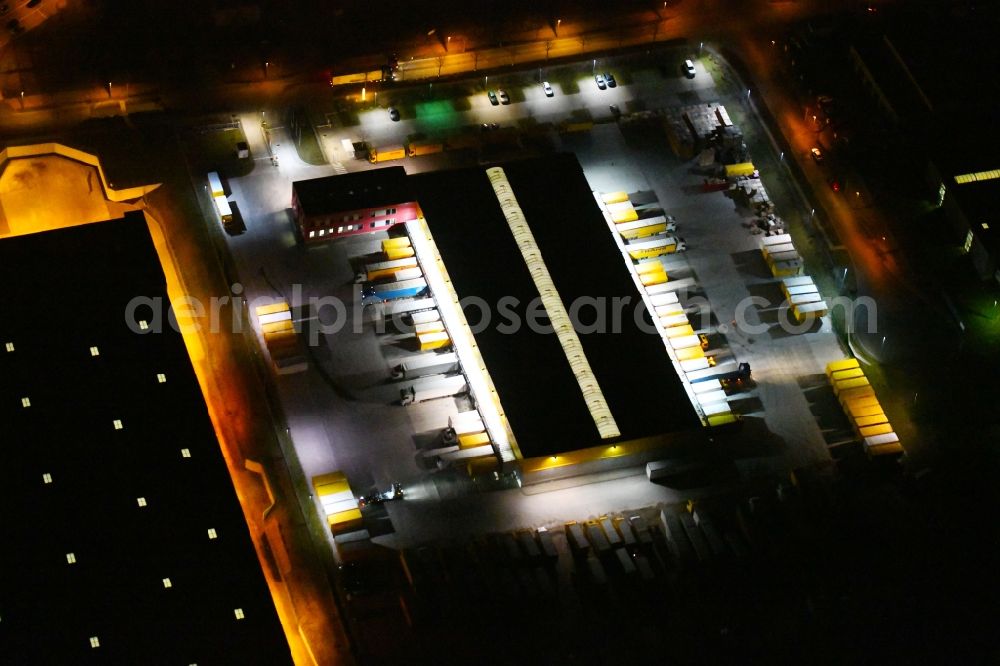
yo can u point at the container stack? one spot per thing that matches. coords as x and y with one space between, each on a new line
781 256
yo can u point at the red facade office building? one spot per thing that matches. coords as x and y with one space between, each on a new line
354 203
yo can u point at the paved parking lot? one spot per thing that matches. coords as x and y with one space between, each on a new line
339 411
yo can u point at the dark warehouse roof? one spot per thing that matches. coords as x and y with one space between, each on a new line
536 386
121 524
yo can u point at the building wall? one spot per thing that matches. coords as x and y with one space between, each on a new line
316 228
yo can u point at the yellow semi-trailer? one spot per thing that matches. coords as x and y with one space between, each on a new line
657 247
471 440
338 502
809 311
435 340
854 393
614 197
849 373
846 384
689 353
651 279
418 148
843 364
398 241
394 253
379 155
649 267
741 169
681 331
873 420
871 431
624 215
358 77
384 269
642 228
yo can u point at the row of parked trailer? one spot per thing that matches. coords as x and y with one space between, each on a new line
645 237
862 407
620 540
801 292
396 284
685 347
280 339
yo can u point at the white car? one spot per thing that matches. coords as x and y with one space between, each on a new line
689 69
504 97
548 89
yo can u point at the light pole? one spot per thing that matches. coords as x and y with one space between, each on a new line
447 43
595 67
486 82
22 100
266 65
558 23
109 89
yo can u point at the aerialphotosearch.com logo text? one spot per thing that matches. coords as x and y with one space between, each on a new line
319 316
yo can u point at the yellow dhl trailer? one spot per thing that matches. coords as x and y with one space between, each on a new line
845 384
741 169
873 420
870 431
434 340
679 331
651 249
854 393
473 439
378 155
653 278
614 197
642 228
394 253
398 241
689 353
843 364
274 308
809 311
417 148
849 373
673 320
648 267
358 77
338 501
622 212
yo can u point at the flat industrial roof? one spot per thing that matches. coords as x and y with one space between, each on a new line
121 524
532 375
353 191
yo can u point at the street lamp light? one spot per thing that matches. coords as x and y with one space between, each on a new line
447 43
558 23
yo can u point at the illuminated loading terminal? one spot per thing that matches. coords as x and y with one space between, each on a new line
530 231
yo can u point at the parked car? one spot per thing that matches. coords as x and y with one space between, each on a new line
504 97
817 155
15 27
493 98
688 69
393 114
609 78
33 3
600 81
548 89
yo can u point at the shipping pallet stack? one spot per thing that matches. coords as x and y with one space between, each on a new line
860 404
